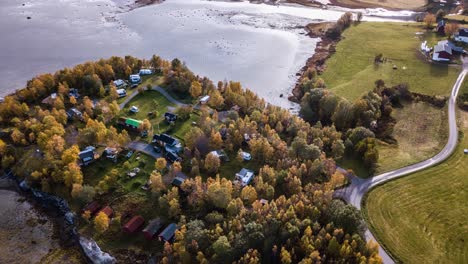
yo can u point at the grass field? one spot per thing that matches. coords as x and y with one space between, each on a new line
393 4
421 132
457 18
351 71
96 171
422 218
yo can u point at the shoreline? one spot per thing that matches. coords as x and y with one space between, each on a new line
323 51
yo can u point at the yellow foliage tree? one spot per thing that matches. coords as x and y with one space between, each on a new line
195 89
101 222
160 164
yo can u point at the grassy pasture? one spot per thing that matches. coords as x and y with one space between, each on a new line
421 132
422 218
351 71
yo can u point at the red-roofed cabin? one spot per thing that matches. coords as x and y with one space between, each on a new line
108 211
134 224
92 207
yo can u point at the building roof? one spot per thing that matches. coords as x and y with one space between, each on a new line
92 207
133 122
168 233
172 156
86 155
152 228
178 181
170 116
463 32
108 211
245 176
205 98
119 82
134 223
165 138
443 47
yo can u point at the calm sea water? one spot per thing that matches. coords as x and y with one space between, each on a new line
258 45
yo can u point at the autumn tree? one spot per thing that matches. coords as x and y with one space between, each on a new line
216 99
86 215
195 89
429 20
216 142
451 29
160 164
146 125
285 256
212 163
219 192
101 222
157 185
248 194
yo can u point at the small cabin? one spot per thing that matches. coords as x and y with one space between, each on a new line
245 176
134 224
167 235
108 211
92 207
87 156
152 228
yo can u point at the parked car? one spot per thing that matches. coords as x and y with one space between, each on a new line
129 154
246 156
134 109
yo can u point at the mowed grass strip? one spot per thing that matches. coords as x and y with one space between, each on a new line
423 218
421 132
351 71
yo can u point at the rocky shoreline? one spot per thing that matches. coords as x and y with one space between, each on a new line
64 220
324 49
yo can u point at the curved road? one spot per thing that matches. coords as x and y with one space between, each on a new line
354 192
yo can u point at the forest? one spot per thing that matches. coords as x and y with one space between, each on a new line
286 215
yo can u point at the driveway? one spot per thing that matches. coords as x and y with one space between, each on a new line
145 148
354 192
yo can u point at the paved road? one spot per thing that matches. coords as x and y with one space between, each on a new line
354 193
155 88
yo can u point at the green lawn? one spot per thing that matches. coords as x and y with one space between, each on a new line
351 71
421 132
229 169
96 171
457 18
148 101
422 218
350 162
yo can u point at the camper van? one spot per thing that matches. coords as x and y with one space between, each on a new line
121 93
146 72
135 79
